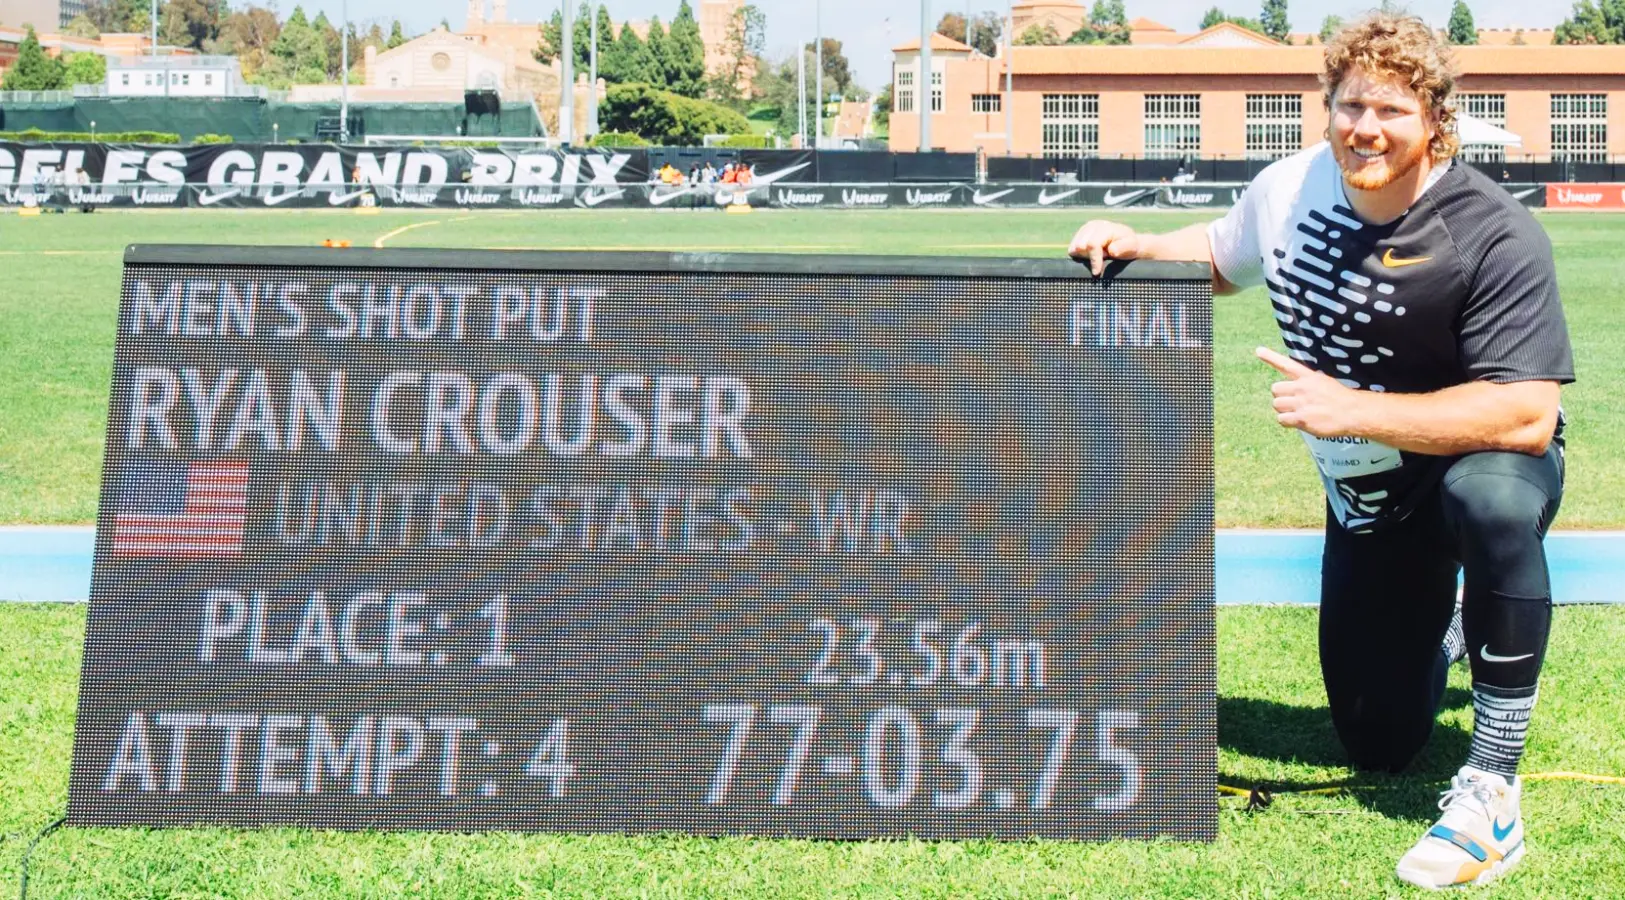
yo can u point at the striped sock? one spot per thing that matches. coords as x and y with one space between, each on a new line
1455 640
1500 723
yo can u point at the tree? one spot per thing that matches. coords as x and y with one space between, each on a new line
1108 24
952 27
550 45
659 53
82 27
1586 26
116 15
1039 36
606 37
332 42
300 51
1215 16
172 28
628 60
33 70
664 117
742 49
85 68
1330 26
1273 17
685 60
1461 28
883 105
397 37
986 32
837 69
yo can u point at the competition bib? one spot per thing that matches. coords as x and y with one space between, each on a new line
1351 457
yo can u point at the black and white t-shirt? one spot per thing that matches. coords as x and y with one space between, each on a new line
1460 288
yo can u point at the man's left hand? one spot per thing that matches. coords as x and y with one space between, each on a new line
1311 401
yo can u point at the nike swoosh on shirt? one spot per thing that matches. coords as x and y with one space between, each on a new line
1392 263
1485 654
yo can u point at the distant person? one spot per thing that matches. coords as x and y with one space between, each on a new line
1505 175
709 175
1419 304
81 180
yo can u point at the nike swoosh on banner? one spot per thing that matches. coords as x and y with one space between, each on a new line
1485 654
337 199
279 199
212 199
595 199
1519 195
981 199
1115 199
775 176
1044 198
662 199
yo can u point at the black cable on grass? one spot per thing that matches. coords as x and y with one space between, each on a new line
22 893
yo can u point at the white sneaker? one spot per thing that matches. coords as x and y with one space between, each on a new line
1479 837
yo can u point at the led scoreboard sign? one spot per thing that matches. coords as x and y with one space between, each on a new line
724 544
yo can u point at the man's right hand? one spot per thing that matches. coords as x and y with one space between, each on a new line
1099 240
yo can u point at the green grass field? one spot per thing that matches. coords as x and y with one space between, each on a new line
59 278
1273 727
59 300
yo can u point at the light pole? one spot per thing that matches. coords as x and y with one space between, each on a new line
567 78
344 65
818 75
92 130
154 24
592 77
276 132
801 97
1009 81
925 76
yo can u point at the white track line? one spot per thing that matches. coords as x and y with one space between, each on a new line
379 244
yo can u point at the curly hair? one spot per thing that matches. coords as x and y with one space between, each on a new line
1404 48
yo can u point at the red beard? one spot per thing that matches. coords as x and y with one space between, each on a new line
1368 177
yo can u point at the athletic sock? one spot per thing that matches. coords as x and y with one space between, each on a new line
1455 640
1500 724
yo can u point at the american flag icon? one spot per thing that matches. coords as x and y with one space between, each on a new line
181 510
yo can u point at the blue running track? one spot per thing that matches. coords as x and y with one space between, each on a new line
53 565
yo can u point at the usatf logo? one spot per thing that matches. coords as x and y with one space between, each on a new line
863 198
476 197
792 197
929 198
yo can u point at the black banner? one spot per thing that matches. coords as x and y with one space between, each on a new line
821 546
1199 195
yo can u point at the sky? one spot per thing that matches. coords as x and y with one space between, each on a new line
870 28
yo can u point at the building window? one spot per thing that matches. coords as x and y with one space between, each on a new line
1274 125
1580 127
905 91
1173 125
124 79
186 79
208 79
936 92
1491 108
986 103
1071 124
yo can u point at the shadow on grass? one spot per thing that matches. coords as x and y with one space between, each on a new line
1303 735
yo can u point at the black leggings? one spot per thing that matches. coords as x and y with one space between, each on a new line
1387 599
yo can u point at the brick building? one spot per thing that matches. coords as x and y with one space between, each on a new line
1227 92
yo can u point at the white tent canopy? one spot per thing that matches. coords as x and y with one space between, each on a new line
1478 131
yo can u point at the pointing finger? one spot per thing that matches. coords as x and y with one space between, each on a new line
1287 366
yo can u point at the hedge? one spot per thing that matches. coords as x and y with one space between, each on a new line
747 142
617 139
665 118
36 136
